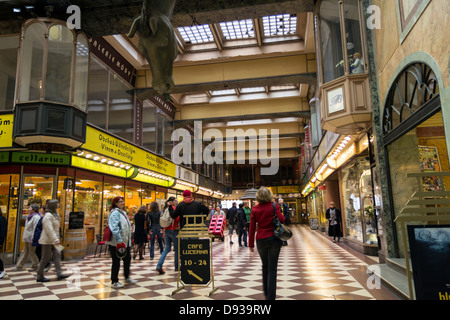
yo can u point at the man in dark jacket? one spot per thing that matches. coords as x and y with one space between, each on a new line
189 207
232 220
242 225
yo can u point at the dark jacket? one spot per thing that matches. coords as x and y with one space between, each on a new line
231 214
285 210
338 225
242 221
185 209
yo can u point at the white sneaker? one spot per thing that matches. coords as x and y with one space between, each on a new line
117 285
129 280
2 274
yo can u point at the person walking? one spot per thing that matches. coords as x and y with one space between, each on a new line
171 233
50 242
242 225
232 221
189 207
140 232
285 211
333 215
3 230
268 245
155 228
120 243
28 233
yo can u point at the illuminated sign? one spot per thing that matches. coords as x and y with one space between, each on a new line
6 130
40 158
104 144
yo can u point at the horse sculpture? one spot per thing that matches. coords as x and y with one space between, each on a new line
157 42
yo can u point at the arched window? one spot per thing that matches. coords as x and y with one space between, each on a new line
414 87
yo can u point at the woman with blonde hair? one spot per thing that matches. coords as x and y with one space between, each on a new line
268 245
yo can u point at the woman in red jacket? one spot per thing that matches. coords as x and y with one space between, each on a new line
268 245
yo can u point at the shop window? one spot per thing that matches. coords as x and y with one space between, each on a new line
9 203
132 200
422 149
121 108
168 144
110 191
98 93
160 135
8 65
87 199
358 207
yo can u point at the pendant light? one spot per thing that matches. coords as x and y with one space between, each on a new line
250 194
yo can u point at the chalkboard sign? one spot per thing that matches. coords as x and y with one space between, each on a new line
76 220
195 261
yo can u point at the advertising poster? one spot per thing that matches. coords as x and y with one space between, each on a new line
429 162
430 258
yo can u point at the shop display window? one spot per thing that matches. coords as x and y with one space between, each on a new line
110 191
133 200
9 203
87 199
358 207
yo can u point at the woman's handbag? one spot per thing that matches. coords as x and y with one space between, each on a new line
281 231
107 234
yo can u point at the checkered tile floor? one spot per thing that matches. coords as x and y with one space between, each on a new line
311 267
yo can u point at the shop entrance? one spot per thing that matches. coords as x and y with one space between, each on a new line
34 189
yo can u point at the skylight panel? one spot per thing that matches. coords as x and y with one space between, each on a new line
226 92
196 34
280 25
252 90
239 29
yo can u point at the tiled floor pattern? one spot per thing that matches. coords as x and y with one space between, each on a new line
311 267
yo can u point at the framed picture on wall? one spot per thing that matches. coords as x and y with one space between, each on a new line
429 162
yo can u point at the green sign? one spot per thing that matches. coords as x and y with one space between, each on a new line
40 158
195 261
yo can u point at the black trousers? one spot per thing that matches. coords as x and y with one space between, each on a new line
116 264
269 251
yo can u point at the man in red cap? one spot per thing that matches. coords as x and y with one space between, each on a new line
189 207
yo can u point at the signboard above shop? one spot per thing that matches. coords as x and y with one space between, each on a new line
110 146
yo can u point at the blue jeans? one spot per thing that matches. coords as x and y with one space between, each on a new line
242 232
171 236
269 251
156 231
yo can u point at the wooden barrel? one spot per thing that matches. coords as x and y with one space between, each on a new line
75 244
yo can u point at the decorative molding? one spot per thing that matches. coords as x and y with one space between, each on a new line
408 13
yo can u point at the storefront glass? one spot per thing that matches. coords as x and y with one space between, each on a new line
121 108
9 201
358 201
87 199
132 200
110 191
422 149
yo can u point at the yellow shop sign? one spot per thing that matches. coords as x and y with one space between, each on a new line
104 144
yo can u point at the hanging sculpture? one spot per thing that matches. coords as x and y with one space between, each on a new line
157 42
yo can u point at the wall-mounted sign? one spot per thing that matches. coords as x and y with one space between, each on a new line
40 158
6 130
335 100
105 144
165 106
113 59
